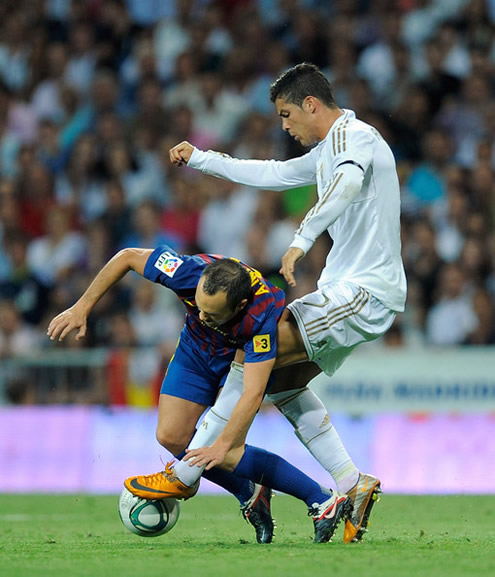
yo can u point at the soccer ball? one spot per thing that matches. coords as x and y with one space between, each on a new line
148 518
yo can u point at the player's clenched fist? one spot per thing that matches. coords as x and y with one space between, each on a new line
65 322
181 153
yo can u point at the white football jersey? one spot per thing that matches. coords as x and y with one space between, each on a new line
365 227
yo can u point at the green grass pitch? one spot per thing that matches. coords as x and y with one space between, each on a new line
73 536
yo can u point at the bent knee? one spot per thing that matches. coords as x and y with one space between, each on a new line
174 441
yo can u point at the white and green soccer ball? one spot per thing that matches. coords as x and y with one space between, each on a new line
148 518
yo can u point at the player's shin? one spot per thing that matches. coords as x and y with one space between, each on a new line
309 417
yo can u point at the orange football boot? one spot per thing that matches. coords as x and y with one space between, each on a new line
160 485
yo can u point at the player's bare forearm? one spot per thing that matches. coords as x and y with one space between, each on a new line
181 153
255 380
76 316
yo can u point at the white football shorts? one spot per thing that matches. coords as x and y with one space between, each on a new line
335 319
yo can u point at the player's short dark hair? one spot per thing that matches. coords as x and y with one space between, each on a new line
229 276
300 81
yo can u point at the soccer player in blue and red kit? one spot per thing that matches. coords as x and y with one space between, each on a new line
229 306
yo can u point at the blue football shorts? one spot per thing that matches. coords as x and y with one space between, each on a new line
194 375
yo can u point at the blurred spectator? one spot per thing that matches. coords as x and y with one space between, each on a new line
217 110
136 175
36 193
78 187
484 309
448 216
81 62
54 256
152 324
426 182
377 62
21 285
150 112
17 338
117 215
452 318
182 217
272 233
121 332
227 201
146 230
463 118
420 23
475 261
46 100
50 153
99 250
422 261
436 83
114 33
172 35
14 51
184 81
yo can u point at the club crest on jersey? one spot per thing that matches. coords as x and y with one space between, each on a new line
168 263
261 344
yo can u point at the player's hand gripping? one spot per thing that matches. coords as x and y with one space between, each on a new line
181 153
288 261
65 322
207 457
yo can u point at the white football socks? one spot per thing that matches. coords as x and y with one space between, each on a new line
213 423
309 417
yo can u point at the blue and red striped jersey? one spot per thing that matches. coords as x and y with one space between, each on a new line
253 329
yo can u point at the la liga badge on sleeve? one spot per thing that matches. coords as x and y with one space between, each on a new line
168 263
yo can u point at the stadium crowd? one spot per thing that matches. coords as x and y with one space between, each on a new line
94 93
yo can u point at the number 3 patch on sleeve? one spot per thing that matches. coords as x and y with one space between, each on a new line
261 343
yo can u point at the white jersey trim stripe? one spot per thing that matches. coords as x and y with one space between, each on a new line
352 308
339 138
326 325
317 207
339 309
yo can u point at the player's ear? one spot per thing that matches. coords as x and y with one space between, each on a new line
309 104
241 305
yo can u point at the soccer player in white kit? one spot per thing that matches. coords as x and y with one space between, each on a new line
363 284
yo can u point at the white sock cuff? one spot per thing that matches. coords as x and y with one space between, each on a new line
279 399
209 430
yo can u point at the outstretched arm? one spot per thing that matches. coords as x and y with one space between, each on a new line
263 174
76 316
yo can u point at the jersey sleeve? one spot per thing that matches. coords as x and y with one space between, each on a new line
351 146
348 162
264 174
263 345
177 272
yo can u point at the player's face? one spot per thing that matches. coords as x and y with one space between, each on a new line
213 309
298 121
